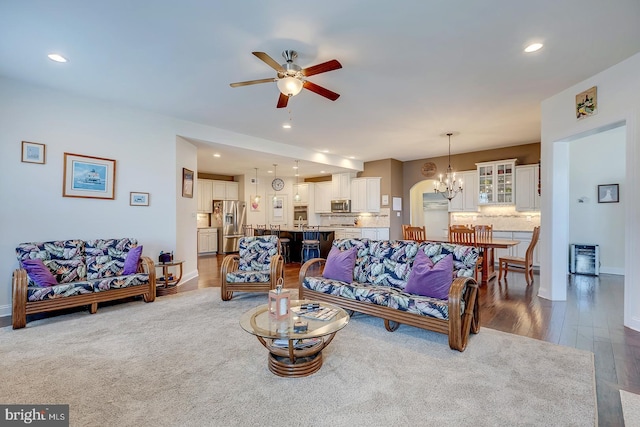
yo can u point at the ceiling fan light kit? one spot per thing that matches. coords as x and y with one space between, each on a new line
290 78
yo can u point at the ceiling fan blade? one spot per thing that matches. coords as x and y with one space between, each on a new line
321 68
320 90
269 61
282 100
252 82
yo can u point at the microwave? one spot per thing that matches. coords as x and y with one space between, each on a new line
341 206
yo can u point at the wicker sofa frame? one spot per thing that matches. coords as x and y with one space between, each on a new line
21 307
457 326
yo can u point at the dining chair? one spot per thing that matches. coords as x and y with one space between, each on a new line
466 235
247 230
310 242
284 242
462 234
417 234
483 233
524 264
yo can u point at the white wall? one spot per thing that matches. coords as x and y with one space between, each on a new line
149 158
616 103
598 159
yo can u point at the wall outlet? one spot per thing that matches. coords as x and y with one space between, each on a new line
398 213
528 218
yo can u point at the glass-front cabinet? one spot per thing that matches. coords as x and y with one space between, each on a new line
496 182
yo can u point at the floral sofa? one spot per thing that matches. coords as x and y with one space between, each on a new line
380 274
257 266
79 273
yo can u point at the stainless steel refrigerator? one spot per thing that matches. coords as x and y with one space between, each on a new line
233 218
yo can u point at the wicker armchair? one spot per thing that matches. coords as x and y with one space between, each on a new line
256 268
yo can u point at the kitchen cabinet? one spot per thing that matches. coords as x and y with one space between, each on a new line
207 240
205 196
496 182
225 190
322 197
301 190
341 186
347 233
527 196
467 200
375 233
365 194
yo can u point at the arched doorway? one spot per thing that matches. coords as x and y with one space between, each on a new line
428 209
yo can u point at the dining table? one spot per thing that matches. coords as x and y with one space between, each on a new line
488 246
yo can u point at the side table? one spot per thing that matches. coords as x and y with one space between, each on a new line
168 283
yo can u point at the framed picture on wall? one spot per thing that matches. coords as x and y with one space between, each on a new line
32 152
187 183
137 198
88 176
608 193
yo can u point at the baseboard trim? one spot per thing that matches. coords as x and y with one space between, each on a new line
612 270
189 278
5 310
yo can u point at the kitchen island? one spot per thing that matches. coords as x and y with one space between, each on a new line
295 234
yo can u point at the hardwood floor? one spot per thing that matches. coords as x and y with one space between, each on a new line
591 319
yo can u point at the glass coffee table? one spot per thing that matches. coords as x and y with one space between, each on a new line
294 354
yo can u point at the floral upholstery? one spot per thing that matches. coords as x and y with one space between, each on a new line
81 267
239 276
105 257
65 258
256 252
385 266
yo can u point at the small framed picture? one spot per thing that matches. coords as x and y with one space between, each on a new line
608 193
137 198
32 152
187 183
587 103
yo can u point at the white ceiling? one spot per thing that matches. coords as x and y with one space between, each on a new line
412 69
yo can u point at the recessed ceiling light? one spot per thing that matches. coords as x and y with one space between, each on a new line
216 155
57 57
269 171
533 47
325 151
286 126
352 157
322 172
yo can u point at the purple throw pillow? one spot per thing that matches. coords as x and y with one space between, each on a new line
131 261
39 272
340 264
428 279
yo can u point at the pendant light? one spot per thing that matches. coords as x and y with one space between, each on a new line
275 178
256 198
296 198
451 185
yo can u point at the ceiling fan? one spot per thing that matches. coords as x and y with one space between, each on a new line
291 77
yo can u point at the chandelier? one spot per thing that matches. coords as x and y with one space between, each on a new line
256 198
296 198
448 185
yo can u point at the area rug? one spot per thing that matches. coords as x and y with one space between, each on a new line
630 408
184 360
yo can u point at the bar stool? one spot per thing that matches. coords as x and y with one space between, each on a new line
247 230
261 229
310 242
284 243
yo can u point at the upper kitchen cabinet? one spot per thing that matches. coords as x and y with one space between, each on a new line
302 190
527 196
341 186
322 197
467 200
365 194
225 190
496 182
205 197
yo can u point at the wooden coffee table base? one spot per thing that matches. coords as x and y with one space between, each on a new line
302 367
